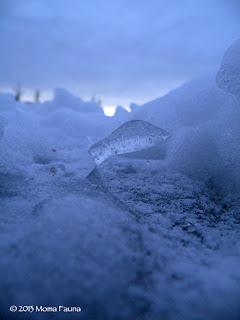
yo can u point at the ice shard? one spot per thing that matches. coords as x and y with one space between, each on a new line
132 136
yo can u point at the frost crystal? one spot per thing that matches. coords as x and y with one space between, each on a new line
132 136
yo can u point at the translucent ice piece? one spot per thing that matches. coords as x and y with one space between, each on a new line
132 136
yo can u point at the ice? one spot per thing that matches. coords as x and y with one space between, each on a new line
131 136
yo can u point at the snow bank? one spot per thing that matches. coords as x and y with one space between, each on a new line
194 152
3 123
43 140
204 122
120 113
192 104
63 98
8 103
228 77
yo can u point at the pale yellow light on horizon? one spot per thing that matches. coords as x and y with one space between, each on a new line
110 110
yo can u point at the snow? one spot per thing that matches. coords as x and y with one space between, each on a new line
203 102
133 107
3 123
204 124
120 111
228 77
63 98
148 234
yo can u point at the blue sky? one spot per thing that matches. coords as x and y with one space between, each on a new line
117 50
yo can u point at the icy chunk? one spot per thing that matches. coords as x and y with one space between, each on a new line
228 77
132 136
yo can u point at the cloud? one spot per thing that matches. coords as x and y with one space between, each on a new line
119 50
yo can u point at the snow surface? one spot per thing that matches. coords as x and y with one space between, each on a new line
204 123
152 234
228 77
120 112
194 103
64 99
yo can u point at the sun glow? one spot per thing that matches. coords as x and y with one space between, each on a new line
109 110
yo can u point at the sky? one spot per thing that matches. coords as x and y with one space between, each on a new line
120 51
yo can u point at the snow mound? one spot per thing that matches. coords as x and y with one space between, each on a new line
64 99
134 107
131 136
194 152
41 144
204 122
192 104
228 77
3 123
120 112
228 143
7 103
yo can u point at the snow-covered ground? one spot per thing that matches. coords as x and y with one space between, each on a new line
152 234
